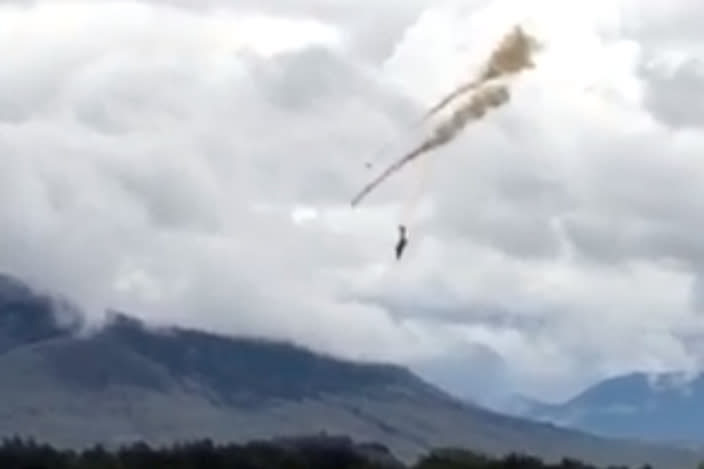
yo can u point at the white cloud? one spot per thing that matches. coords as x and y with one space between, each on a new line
194 162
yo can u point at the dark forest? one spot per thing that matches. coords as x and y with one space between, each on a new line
18 453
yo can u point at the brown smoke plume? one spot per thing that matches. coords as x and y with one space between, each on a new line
474 109
511 56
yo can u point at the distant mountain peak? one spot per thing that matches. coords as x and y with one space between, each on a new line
119 320
28 315
13 289
666 407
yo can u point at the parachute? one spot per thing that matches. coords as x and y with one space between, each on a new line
512 56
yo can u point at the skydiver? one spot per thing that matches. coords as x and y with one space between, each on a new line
402 241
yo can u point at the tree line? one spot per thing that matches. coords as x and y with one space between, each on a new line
18 453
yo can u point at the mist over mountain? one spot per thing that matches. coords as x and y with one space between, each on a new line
27 316
131 381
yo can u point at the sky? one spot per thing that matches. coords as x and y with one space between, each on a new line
192 163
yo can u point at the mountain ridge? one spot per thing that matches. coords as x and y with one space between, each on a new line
130 381
665 407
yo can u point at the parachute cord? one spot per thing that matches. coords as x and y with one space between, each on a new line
409 211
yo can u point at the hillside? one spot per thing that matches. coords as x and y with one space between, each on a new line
659 407
130 382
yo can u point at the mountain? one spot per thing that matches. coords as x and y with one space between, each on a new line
129 381
27 316
658 407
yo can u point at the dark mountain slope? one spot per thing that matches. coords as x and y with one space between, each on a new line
230 366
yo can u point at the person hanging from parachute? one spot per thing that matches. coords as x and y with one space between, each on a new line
402 241
513 55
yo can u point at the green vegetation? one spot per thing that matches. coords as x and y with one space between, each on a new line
17 453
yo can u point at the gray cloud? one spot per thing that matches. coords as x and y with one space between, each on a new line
676 97
472 372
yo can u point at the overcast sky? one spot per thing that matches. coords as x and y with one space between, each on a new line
192 162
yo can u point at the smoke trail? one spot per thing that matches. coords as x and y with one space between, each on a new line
408 213
474 109
511 56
